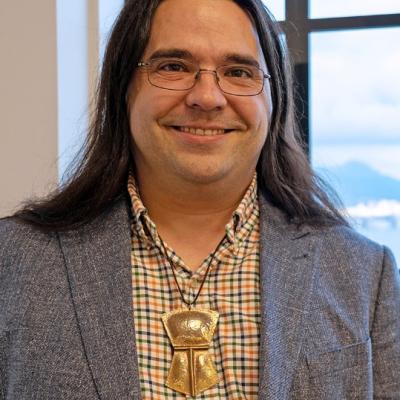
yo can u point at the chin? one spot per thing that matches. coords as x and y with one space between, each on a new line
203 176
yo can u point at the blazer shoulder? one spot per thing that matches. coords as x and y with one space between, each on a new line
30 262
17 237
24 251
346 240
341 245
341 236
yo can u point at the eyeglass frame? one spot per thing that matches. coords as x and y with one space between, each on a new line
265 75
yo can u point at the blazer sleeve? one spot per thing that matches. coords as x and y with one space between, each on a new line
385 334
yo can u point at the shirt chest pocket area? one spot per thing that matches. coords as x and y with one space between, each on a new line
342 372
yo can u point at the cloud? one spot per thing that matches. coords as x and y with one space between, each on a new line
355 84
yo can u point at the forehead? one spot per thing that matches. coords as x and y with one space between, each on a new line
208 29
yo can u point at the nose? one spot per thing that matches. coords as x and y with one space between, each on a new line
206 94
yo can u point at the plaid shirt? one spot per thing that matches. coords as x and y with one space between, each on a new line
232 289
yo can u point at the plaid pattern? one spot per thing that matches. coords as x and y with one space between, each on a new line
232 289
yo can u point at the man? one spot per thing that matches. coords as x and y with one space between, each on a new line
193 252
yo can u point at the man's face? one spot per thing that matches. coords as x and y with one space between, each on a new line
208 31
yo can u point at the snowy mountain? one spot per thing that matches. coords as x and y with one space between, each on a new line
357 183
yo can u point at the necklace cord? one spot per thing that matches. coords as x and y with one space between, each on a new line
212 257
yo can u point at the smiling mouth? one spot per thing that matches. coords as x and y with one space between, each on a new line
201 131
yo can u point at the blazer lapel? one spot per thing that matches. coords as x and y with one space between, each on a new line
286 274
97 259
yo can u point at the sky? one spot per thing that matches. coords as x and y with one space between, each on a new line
355 79
355 86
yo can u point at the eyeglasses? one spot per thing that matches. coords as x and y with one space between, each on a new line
178 74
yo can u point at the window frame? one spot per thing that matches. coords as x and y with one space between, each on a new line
297 28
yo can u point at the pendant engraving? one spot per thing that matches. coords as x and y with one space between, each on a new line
190 332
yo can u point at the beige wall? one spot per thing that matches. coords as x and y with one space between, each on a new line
28 100
28 96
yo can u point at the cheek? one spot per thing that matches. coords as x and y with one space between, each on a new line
135 124
140 116
138 122
142 104
144 115
257 115
149 107
143 145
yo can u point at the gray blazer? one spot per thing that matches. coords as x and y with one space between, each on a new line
330 312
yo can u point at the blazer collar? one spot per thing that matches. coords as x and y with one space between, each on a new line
97 258
286 280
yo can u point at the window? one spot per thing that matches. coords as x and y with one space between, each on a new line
75 20
72 78
108 12
355 125
349 86
277 8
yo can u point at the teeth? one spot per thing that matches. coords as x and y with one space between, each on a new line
202 132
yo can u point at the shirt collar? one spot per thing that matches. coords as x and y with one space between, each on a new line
242 222
141 223
237 229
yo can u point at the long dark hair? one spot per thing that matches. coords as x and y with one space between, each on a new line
100 173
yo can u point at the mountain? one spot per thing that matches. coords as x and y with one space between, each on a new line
356 183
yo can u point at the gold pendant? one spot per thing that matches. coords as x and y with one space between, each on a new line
190 332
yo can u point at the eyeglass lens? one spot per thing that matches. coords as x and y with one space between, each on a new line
236 79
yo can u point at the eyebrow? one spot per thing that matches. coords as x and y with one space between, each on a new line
187 55
171 53
241 59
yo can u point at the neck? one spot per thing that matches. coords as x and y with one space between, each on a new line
191 217
171 203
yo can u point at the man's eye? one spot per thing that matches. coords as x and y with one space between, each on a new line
171 67
239 72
